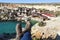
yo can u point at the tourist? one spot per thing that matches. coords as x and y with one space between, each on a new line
26 34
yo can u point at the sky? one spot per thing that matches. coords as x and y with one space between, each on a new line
30 1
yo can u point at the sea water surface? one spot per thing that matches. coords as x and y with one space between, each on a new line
10 26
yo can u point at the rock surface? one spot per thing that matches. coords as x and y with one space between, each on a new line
43 32
51 29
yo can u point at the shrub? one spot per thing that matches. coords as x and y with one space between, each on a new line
42 23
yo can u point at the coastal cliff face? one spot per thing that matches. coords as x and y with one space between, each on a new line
48 6
51 29
43 32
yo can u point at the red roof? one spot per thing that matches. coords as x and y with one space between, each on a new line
47 14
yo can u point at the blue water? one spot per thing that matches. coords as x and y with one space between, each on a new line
9 26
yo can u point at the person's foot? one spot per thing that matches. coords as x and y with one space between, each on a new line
19 30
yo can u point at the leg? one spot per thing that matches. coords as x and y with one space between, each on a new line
18 31
26 36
